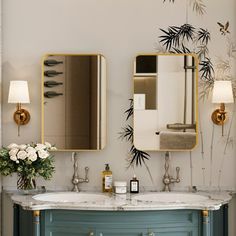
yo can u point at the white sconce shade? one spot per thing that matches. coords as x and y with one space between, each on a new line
222 92
18 92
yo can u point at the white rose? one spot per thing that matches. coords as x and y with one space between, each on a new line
30 150
22 147
40 147
43 154
13 152
12 145
22 155
13 158
48 145
32 156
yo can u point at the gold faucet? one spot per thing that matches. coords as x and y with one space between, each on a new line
76 180
167 179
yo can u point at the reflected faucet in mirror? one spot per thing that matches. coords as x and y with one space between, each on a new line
165 102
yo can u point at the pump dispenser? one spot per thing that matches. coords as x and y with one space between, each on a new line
107 179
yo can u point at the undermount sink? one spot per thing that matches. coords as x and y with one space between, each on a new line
171 197
70 197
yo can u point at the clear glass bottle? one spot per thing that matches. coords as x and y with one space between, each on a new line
107 179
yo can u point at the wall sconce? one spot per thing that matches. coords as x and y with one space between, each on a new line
19 93
222 93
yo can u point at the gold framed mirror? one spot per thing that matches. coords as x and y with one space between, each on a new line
74 101
165 102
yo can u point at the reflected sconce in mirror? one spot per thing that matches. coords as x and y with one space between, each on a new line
222 93
19 93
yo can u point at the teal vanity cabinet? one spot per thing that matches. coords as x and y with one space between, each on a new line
120 223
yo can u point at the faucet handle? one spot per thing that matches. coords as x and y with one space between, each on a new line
177 174
86 174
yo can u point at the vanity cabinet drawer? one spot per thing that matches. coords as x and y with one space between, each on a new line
177 218
120 232
181 231
62 231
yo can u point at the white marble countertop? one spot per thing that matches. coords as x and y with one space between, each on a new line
126 202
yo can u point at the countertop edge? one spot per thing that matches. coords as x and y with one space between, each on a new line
117 203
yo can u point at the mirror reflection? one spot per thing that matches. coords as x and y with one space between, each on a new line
165 96
74 101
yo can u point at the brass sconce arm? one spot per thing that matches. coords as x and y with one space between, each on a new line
21 116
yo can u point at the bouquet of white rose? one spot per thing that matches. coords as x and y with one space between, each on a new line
28 161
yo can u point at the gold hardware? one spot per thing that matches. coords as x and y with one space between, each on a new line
205 213
36 213
91 234
219 115
21 117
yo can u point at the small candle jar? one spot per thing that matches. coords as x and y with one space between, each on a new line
120 187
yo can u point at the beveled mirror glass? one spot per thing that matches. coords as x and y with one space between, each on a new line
74 101
165 102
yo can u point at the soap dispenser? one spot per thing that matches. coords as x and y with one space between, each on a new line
134 185
107 179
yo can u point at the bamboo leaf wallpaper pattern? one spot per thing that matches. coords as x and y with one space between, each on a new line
170 1
136 157
187 38
175 39
175 36
203 36
198 6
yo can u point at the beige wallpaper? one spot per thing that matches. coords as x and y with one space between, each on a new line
119 30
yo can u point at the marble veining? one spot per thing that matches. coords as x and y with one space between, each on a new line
125 202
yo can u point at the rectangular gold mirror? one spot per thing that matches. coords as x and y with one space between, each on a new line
165 102
74 101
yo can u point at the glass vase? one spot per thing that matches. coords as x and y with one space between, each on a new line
26 184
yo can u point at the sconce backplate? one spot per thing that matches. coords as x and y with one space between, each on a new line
219 117
21 117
